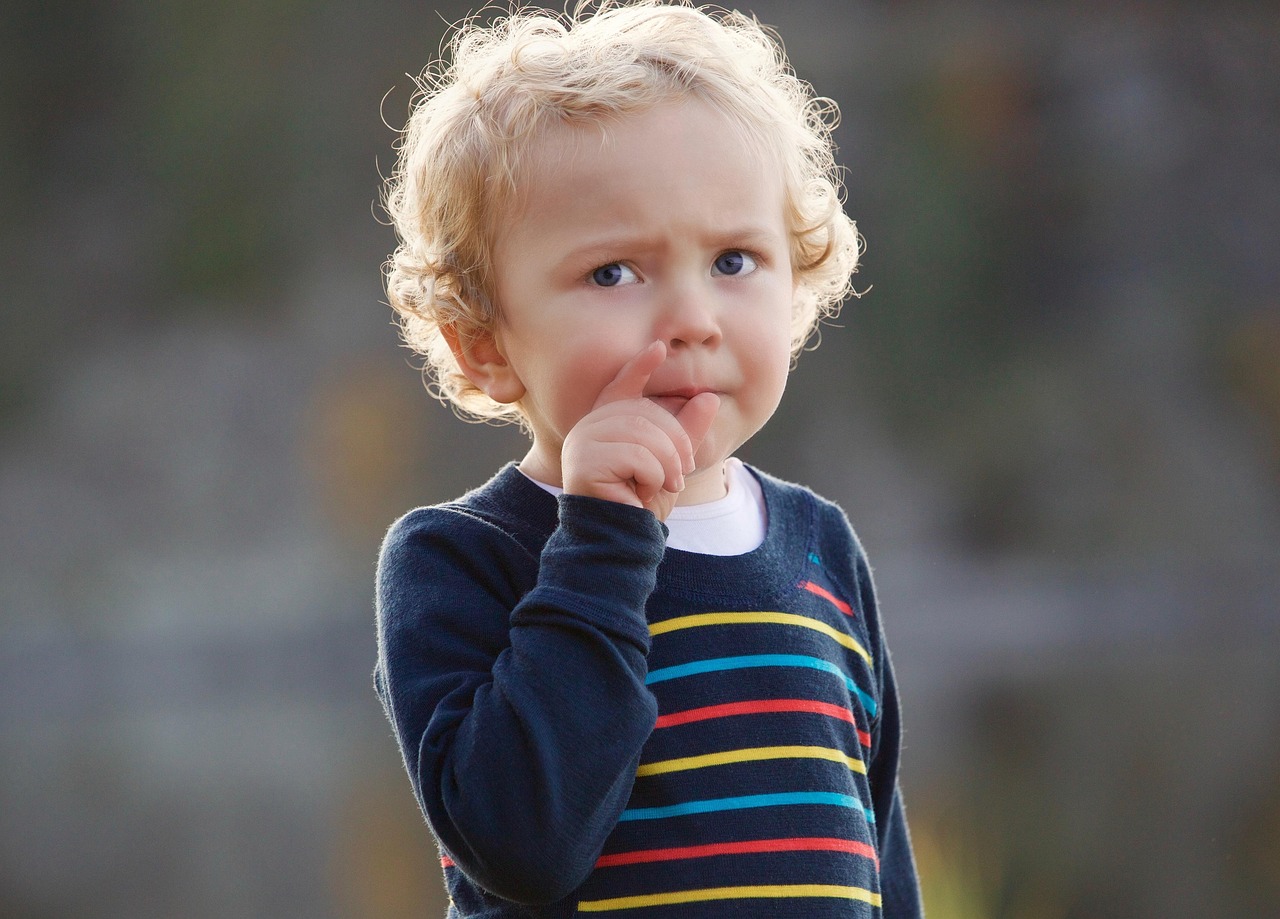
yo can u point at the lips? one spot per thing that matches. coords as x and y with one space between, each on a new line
673 404
675 400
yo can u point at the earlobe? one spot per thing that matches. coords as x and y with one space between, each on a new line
480 358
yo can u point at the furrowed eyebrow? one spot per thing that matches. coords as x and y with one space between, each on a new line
751 239
750 235
609 247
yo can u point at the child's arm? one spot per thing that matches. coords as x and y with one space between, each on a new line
516 685
898 878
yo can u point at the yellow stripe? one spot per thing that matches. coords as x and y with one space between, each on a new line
751 754
701 619
730 893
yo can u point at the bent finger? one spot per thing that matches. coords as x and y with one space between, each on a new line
630 381
658 433
697 417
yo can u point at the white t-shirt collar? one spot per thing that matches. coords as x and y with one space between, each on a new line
732 525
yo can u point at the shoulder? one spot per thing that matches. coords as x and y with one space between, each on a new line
481 538
432 556
828 535
507 511
827 521
452 523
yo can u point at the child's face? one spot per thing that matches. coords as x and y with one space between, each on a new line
663 226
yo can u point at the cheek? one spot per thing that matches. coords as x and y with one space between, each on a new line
575 376
776 373
773 351
773 367
591 365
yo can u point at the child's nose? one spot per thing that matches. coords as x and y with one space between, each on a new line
689 320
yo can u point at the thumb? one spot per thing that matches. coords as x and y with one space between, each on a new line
697 416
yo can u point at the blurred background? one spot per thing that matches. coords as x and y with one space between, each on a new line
1054 419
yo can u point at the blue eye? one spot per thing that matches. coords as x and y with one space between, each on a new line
613 274
735 261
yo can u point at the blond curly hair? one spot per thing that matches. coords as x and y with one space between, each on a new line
500 87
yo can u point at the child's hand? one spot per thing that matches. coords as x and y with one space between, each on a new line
631 450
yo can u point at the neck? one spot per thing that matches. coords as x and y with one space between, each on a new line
702 486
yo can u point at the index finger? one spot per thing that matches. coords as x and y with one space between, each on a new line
634 376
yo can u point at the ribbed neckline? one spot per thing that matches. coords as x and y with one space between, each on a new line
764 574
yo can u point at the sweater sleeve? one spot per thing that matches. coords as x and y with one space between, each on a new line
899 882
515 685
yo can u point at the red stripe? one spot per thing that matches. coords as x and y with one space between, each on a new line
827 595
755 707
760 707
810 844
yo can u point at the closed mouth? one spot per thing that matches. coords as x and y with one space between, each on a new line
674 400
672 403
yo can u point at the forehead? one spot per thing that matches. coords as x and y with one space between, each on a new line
678 159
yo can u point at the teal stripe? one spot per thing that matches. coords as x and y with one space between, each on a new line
718 664
815 560
782 799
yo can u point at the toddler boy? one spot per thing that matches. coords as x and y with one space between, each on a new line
629 674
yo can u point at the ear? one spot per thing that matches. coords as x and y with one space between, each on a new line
480 358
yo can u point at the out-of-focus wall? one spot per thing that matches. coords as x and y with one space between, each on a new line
1054 418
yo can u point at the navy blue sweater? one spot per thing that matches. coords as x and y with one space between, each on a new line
592 724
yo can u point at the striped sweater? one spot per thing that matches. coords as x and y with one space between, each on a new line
593 725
